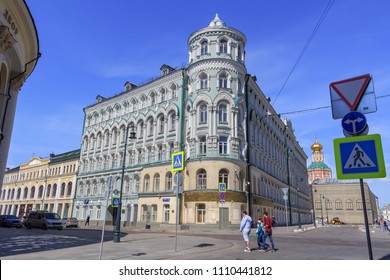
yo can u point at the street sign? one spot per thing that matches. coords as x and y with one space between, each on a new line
86 201
355 94
284 190
178 179
115 201
222 187
359 157
177 161
285 197
166 199
222 201
222 195
354 123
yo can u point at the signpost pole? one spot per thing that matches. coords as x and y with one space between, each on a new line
366 220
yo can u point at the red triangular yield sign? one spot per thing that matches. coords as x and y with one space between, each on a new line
351 90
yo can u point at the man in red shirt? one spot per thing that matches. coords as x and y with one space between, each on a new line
267 232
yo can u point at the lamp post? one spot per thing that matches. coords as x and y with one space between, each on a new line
299 210
322 215
119 212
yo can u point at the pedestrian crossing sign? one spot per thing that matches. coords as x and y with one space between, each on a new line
177 161
115 201
359 157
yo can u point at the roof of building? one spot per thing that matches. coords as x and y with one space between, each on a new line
318 165
72 155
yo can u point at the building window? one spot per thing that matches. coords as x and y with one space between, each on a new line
339 205
223 177
154 213
168 183
144 212
204 48
163 95
161 126
223 80
156 183
202 145
203 113
172 122
349 204
318 205
223 145
222 113
201 179
223 44
201 213
359 205
146 183
203 81
136 184
159 153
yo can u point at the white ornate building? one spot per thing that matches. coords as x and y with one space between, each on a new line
19 52
215 112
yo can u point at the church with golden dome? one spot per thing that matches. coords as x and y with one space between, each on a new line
318 169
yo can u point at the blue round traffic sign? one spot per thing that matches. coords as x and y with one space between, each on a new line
354 123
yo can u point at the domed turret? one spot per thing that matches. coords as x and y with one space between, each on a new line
316 147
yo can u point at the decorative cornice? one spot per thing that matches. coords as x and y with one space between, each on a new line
6 38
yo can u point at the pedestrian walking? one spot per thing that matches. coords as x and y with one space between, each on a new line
87 220
267 233
260 234
386 225
245 228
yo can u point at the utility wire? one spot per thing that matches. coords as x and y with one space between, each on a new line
320 108
313 33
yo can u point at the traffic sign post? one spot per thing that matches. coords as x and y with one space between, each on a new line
359 156
177 161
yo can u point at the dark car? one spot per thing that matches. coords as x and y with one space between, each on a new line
44 220
70 222
10 221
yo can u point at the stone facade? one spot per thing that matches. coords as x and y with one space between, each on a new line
215 113
41 184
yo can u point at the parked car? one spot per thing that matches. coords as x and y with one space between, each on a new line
336 221
10 221
70 222
44 220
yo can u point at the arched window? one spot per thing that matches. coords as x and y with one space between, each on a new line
201 179
168 182
25 193
172 121
223 177
223 46
202 145
203 113
163 95
146 183
69 189
48 190
222 113
62 190
223 80
54 192
161 124
204 47
136 184
156 182
32 193
203 81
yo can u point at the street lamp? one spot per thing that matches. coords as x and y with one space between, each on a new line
322 215
299 210
119 212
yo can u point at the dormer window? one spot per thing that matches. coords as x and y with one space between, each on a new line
223 46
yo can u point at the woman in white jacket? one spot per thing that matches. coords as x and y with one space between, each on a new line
245 228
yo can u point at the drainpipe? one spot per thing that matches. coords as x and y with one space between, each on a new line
248 186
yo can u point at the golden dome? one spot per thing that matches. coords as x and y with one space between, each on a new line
316 147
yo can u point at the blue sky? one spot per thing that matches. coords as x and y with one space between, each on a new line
91 47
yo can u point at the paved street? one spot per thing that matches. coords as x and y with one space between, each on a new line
200 243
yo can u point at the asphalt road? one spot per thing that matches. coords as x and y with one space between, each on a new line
326 243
